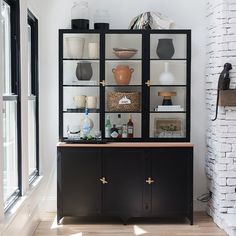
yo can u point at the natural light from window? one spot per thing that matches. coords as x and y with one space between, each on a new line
10 177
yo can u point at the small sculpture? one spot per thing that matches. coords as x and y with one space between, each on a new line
151 20
223 84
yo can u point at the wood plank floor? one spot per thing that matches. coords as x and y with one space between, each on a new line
203 225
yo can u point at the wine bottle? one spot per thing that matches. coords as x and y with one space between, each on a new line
114 132
124 131
130 127
108 127
119 126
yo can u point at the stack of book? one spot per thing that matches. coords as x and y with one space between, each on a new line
176 108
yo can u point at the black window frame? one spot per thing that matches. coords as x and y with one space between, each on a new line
15 90
34 90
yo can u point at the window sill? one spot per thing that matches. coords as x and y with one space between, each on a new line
20 203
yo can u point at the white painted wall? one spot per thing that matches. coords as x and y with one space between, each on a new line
188 14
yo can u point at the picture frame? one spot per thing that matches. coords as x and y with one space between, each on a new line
168 128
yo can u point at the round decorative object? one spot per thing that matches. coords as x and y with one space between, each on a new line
84 71
165 49
167 97
122 74
166 77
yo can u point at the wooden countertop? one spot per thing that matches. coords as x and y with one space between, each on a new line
128 144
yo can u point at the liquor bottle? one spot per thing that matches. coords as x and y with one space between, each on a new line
119 126
124 131
114 132
86 124
130 127
108 127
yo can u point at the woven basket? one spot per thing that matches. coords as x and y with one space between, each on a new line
113 99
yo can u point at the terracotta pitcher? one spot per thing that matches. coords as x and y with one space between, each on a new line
122 74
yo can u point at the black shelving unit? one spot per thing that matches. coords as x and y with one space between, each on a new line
144 61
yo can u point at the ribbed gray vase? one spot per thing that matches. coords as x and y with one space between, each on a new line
165 49
84 71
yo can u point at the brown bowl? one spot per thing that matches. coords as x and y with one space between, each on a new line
125 54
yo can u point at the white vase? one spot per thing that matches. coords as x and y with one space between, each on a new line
74 47
166 77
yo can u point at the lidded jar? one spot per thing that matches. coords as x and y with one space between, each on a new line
101 19
80 15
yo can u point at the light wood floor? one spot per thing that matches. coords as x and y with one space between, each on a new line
203 226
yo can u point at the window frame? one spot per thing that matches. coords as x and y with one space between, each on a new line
15 90
34 89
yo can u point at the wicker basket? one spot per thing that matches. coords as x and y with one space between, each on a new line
123 101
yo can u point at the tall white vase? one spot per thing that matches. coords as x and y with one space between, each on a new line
166 77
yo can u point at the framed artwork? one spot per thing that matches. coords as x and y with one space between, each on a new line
168 128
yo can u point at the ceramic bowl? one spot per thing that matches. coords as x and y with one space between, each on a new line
125 54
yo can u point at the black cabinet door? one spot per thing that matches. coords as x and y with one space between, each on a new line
170 189
80 184
124 170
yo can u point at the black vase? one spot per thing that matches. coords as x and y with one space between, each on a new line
84 71
165 49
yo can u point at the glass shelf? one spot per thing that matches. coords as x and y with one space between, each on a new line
172 60
117 59
160 85
123 85
81 110
167 112
123 112
81 59
76 85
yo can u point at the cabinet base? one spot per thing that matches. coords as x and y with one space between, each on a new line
123 219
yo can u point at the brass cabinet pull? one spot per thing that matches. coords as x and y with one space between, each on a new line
149 181
148 83
103 83
103 180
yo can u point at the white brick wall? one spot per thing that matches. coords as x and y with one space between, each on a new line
221 134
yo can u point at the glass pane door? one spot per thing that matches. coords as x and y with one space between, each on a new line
123 86
81 87
168 86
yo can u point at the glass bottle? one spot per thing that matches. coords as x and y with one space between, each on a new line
80 15
86 124
124 131
108 127
114 132
119 126
130 127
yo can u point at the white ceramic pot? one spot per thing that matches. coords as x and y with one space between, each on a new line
80 101
91 102
74 47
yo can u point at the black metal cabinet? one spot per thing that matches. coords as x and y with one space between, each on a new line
125 182
147 90
125 174
169 173
79 188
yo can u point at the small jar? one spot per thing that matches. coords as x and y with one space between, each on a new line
101 19
80 15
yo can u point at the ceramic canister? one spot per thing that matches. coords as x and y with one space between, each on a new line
91 102
122 74
74 47
80 101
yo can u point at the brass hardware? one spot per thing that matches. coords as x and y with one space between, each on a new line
103 180
103 83
149 181
148 83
